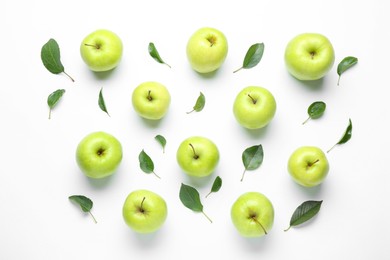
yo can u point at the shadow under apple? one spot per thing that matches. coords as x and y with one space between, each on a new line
256 133
199 181
255 244
311 192
208 75
152 123
101 183
313 85
103 75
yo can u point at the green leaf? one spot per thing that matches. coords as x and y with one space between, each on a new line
146 164
344 65
252 158
315 110
346 136
216 185
304 212
51 58
253 56
200 103
85 203
101 102
161 139
190 198
155 55
53 99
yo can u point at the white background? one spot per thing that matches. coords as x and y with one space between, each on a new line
38 168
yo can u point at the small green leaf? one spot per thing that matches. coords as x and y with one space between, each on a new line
155 55
85 203
53 99
190 198
216 185
101 102
315 110
161 139
200 103
344 65
252 158
346 136
146 164
304 212
51 58
253 56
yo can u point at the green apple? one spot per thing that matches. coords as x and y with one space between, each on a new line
252 214
151 100
207 49
309 56
99 154
197 156
101 50
308 166
144 211
254 107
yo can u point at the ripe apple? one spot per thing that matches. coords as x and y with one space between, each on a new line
151 100
309 56
101 50
308 166
254 107
98 155
144 211
252 214
197 156
207 49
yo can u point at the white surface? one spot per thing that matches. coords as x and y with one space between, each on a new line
39 172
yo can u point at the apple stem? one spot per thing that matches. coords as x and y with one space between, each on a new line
287 229
311 164
69 76
237 70
156 175
189 112
258 222
142 204
253 100
208 194
306 121
93 217
92 45
168 65
207 217
243 174
50 113
338 81
195 155
149 96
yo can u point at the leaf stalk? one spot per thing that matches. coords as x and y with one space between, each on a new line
207 217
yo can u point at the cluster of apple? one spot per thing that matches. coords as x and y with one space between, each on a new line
308 57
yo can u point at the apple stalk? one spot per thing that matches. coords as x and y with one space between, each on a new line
96 46
196 157
253 100
141 209
310 164
258 222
